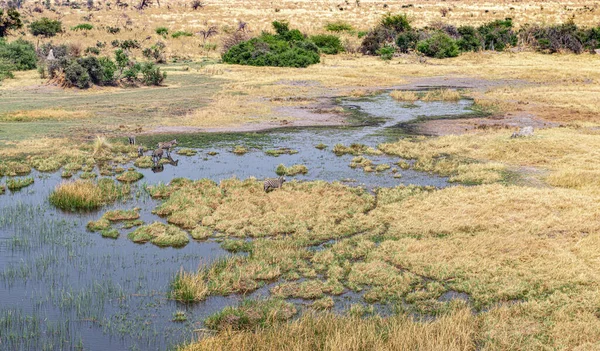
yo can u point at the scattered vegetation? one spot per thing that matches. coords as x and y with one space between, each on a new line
281 151
130 176
252 315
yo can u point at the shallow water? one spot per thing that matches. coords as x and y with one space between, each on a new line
64 288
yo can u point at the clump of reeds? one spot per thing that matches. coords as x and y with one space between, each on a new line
291 171
404 95
160 234
251 314
441 95
240 150
86 195
130 176
18 183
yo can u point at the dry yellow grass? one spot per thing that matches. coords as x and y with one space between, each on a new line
455 331
42 115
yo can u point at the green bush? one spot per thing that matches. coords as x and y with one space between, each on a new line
82 26
77 75
9 20
151 74
328 44
92 50
407 41
287 48
497 35
399 23
45 27
20 54
108 70
181 33
386 52
440 45
338 26
164 31
469 40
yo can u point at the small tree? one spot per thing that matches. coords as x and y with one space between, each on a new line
9 20
45 27
440 45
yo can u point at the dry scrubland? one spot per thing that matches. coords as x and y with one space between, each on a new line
522 243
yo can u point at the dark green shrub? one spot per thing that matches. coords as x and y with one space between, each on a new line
151 74
566 37
386 52
328 44
45 27
82 26
129 44
338 26
497 35
19 54
407 41
92 50
287 48
398 23
92 65
469 40
77 75
362 33
375 39
9 20
113 30
108 70
164 31
155 52
6 69
181 33
440 45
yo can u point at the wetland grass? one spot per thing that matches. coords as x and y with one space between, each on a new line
18 183
280 151
240 150
143 162
186 152
291 171
160 234
321 146
12 169
87 195
130 176
251 315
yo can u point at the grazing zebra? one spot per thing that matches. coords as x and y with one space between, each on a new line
131 140
157 155
168 145
273 183
140 151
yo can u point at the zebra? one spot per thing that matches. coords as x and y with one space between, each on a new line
131 139
157 155
168 145
273 183
140 151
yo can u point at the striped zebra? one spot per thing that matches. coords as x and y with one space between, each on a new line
273 183
131 139
140 151
157 155
168 145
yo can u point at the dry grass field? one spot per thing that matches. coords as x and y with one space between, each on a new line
521 241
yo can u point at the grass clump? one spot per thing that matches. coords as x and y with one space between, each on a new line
45 164
382 167
143 162
131 224
122 215
280 151
189 287
287 48
324 303
2 189
18 183
291 171
321 146
338 26
240 150
360 162
87 195
441 95
130 176
251 315
402 95
160 234
186 152
355 149
236 246
12 169
201 233
179 316
110 233
88 175
98 225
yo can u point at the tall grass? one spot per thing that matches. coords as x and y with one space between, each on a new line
86 195
455 331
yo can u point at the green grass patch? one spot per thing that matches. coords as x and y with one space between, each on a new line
18 183
130 176
160 234
251 314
